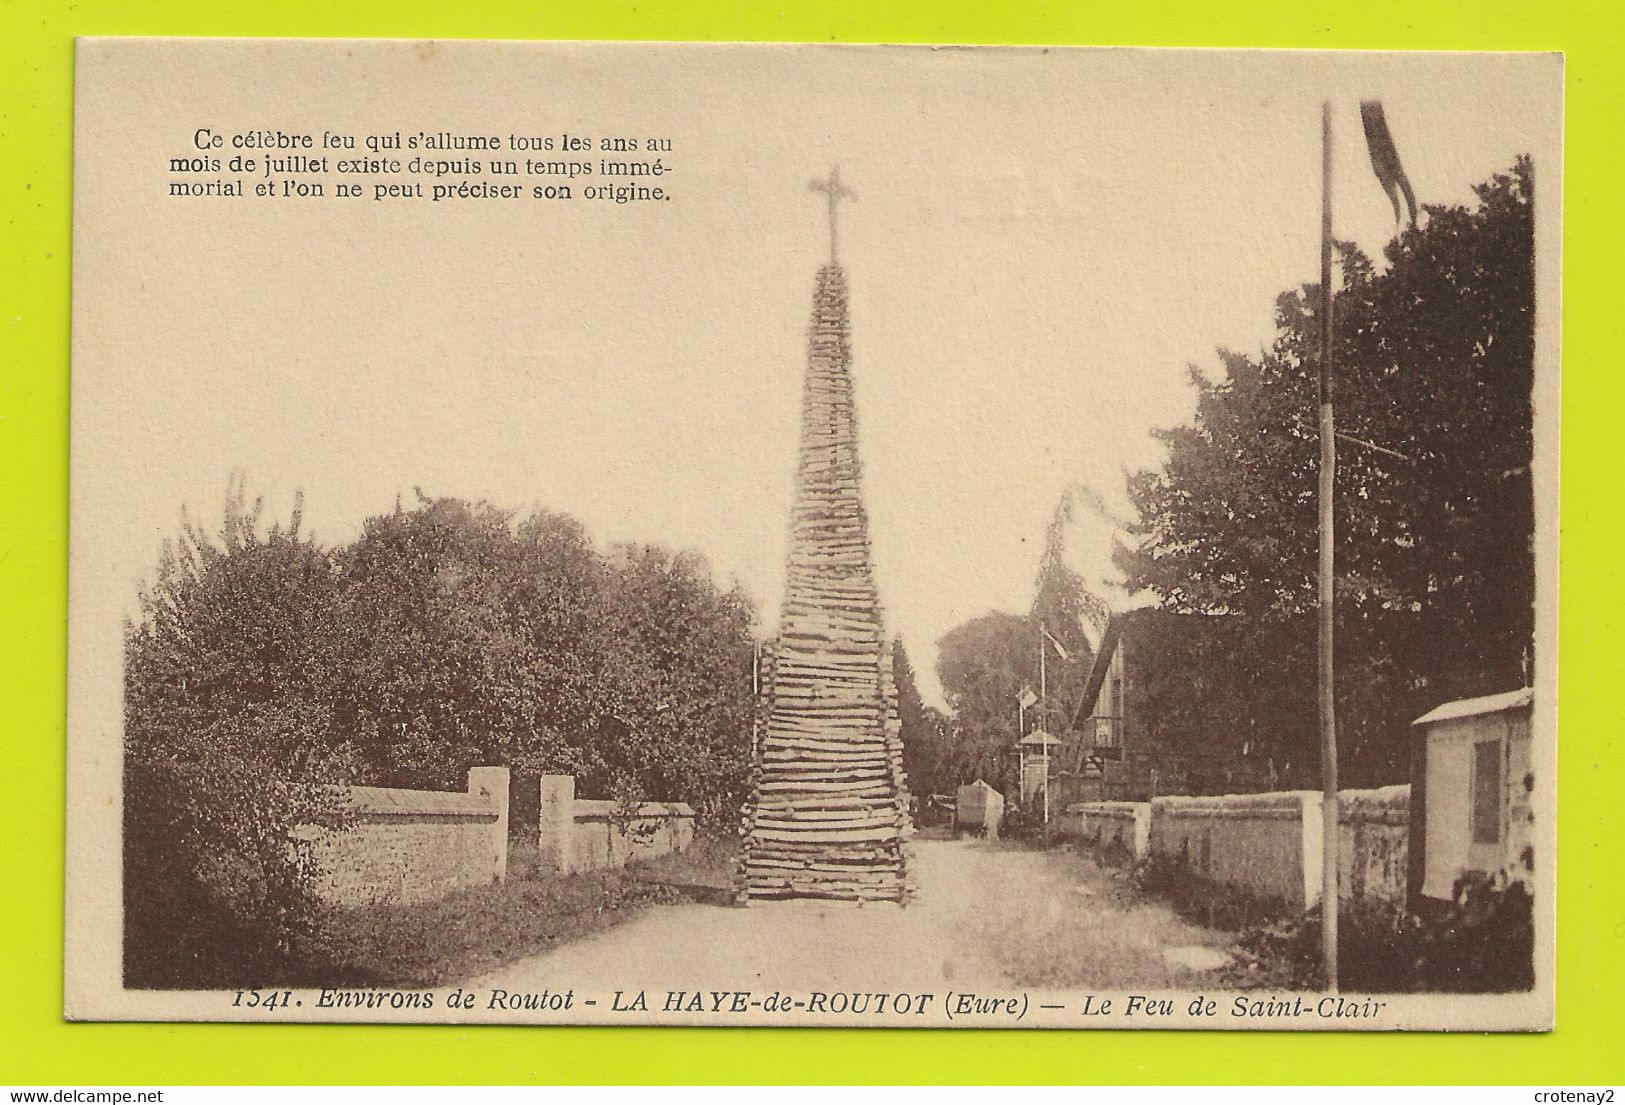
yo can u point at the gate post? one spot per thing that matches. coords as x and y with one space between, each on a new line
492 782
555 823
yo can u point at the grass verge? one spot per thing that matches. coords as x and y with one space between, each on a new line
1056 919
474 931
470 932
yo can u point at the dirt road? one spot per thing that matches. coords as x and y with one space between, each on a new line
984 917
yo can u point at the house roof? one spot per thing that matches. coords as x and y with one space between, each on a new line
1097 672
1146 627
1473 707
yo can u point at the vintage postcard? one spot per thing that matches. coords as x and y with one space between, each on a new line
625 534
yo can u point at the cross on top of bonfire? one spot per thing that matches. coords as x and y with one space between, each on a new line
836 191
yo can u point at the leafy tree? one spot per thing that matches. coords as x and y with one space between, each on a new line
674 703
265 672
483 642
1062 607
1434 504
927 747
437 675
558 587
983 665
229 745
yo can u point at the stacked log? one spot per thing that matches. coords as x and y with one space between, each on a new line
828 809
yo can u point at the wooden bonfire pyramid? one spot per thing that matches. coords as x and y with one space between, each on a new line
828 809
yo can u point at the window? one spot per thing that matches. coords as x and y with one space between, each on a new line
1487 792
1105 733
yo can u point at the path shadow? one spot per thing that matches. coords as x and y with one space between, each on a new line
700 893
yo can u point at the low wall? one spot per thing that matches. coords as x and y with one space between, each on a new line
1270 845
584 834
1118 831
1265 845
1373 843
414 845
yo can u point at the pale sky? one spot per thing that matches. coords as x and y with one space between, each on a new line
1042 241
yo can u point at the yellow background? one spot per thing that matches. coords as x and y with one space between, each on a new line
36 1047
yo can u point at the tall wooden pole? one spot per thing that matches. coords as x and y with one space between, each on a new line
1043 683
1043 706
1328 468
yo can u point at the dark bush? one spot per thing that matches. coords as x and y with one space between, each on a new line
1204 901
1482 942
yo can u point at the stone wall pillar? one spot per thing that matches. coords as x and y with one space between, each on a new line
492 783
556 823
1310 847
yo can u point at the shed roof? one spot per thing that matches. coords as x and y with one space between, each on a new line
1473 707
1038 738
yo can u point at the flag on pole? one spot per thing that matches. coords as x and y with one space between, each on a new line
1060 649
1385 158
1028 699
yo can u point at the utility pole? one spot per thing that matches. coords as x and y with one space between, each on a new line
1329 900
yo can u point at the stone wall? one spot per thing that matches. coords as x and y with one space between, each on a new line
1269 845
1373 843
414 845
583 834
1264 845
1119 832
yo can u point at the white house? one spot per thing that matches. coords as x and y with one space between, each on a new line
1471 787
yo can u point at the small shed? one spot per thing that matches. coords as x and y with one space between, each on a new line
1037 750
978 808
1471 783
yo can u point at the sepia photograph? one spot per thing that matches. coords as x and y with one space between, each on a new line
883 536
